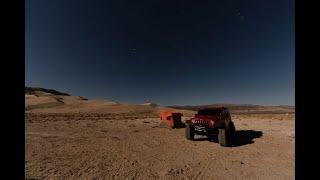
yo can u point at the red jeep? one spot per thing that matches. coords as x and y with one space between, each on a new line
211 121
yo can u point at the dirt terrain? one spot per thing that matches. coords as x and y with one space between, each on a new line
85 139
129 146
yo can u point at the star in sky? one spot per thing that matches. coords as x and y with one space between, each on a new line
132 51
241 16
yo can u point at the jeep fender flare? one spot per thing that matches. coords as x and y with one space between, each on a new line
220 125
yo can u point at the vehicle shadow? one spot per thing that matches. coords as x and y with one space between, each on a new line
180 126
242 137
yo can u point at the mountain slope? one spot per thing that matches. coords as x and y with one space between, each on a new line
52 101
243 108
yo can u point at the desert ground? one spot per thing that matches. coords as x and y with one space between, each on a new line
68 137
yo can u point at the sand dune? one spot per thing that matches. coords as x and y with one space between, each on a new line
42 101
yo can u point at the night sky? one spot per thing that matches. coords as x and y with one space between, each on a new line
168 52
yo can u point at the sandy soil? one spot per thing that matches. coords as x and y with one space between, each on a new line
130 146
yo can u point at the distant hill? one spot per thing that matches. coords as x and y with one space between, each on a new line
53 101
242 108
50 100
35 90
150 104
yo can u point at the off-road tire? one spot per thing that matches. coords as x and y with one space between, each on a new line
223 137
189 132
232 130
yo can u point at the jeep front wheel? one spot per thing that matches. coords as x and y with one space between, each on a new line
223 137
189 132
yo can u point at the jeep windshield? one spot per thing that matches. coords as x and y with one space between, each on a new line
209 112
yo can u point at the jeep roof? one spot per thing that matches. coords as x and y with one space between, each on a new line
213 111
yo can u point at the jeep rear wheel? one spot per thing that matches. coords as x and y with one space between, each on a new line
223 137
189 132
232 130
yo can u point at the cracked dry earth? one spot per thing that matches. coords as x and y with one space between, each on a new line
107 146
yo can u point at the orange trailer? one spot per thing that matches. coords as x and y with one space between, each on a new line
171 119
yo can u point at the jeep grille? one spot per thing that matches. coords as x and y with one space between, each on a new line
201 122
